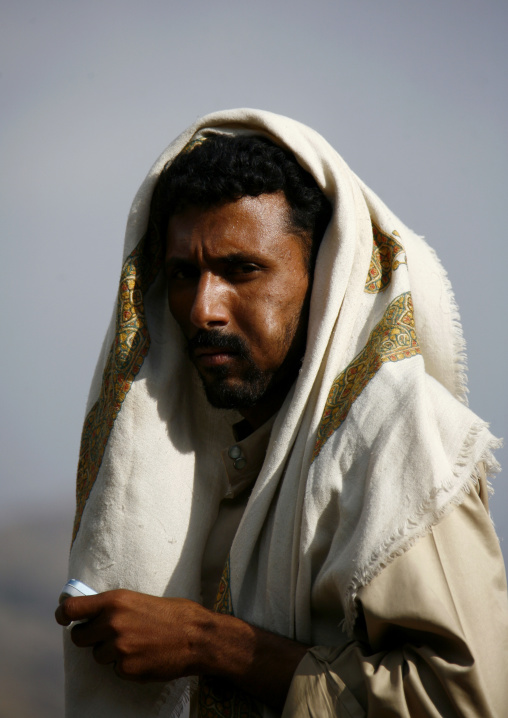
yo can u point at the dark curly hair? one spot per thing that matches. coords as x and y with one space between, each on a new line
224 168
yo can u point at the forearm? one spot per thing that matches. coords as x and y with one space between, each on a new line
148 638
256 661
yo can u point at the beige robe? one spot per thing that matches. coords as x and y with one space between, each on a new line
432 634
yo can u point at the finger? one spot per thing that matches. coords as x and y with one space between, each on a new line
91 632
118 671
104 653
82 636
78 609
118 667
61 616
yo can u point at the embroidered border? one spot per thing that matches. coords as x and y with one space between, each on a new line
125 358
393 339
387 255
192 144
218 698
223 601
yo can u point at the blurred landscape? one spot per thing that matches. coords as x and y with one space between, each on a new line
33 566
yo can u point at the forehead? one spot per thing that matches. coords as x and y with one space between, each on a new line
250 224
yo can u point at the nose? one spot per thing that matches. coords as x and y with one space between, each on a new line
209 308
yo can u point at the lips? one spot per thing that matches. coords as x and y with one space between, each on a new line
214 356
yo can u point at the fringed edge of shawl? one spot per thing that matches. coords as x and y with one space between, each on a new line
413 530
175 696
459 342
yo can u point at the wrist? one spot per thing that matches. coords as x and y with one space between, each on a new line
224 646
255 660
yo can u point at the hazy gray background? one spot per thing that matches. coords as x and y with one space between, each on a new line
414 95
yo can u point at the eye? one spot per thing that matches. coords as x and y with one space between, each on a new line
243 268
181 273
178 274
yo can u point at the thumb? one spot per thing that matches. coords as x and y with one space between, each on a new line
78 609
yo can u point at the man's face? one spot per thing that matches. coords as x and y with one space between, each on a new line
237 286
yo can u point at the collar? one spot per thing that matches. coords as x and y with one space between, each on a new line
243 459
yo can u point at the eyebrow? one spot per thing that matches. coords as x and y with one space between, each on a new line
228 259
180 261
238 257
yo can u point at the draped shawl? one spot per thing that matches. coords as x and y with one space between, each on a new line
373 445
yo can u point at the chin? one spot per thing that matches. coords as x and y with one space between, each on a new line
244 395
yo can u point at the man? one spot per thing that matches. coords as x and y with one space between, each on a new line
277 432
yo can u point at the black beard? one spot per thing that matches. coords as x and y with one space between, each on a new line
254 381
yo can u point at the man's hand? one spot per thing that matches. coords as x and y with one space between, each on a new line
158 639
146 637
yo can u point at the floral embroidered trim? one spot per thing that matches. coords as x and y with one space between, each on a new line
223 601
217 698
125 358
387 255
393 339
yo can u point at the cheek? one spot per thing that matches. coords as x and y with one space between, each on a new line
179 306
271 323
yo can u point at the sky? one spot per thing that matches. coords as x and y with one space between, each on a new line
413 95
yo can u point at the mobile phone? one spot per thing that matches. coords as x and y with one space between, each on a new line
74 588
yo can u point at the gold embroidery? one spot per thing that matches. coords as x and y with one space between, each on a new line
393 339
218 698
192 144
126 355
223 602
387 255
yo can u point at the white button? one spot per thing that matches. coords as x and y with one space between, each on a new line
240 463
234 452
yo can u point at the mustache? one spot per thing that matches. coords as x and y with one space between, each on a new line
217 339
